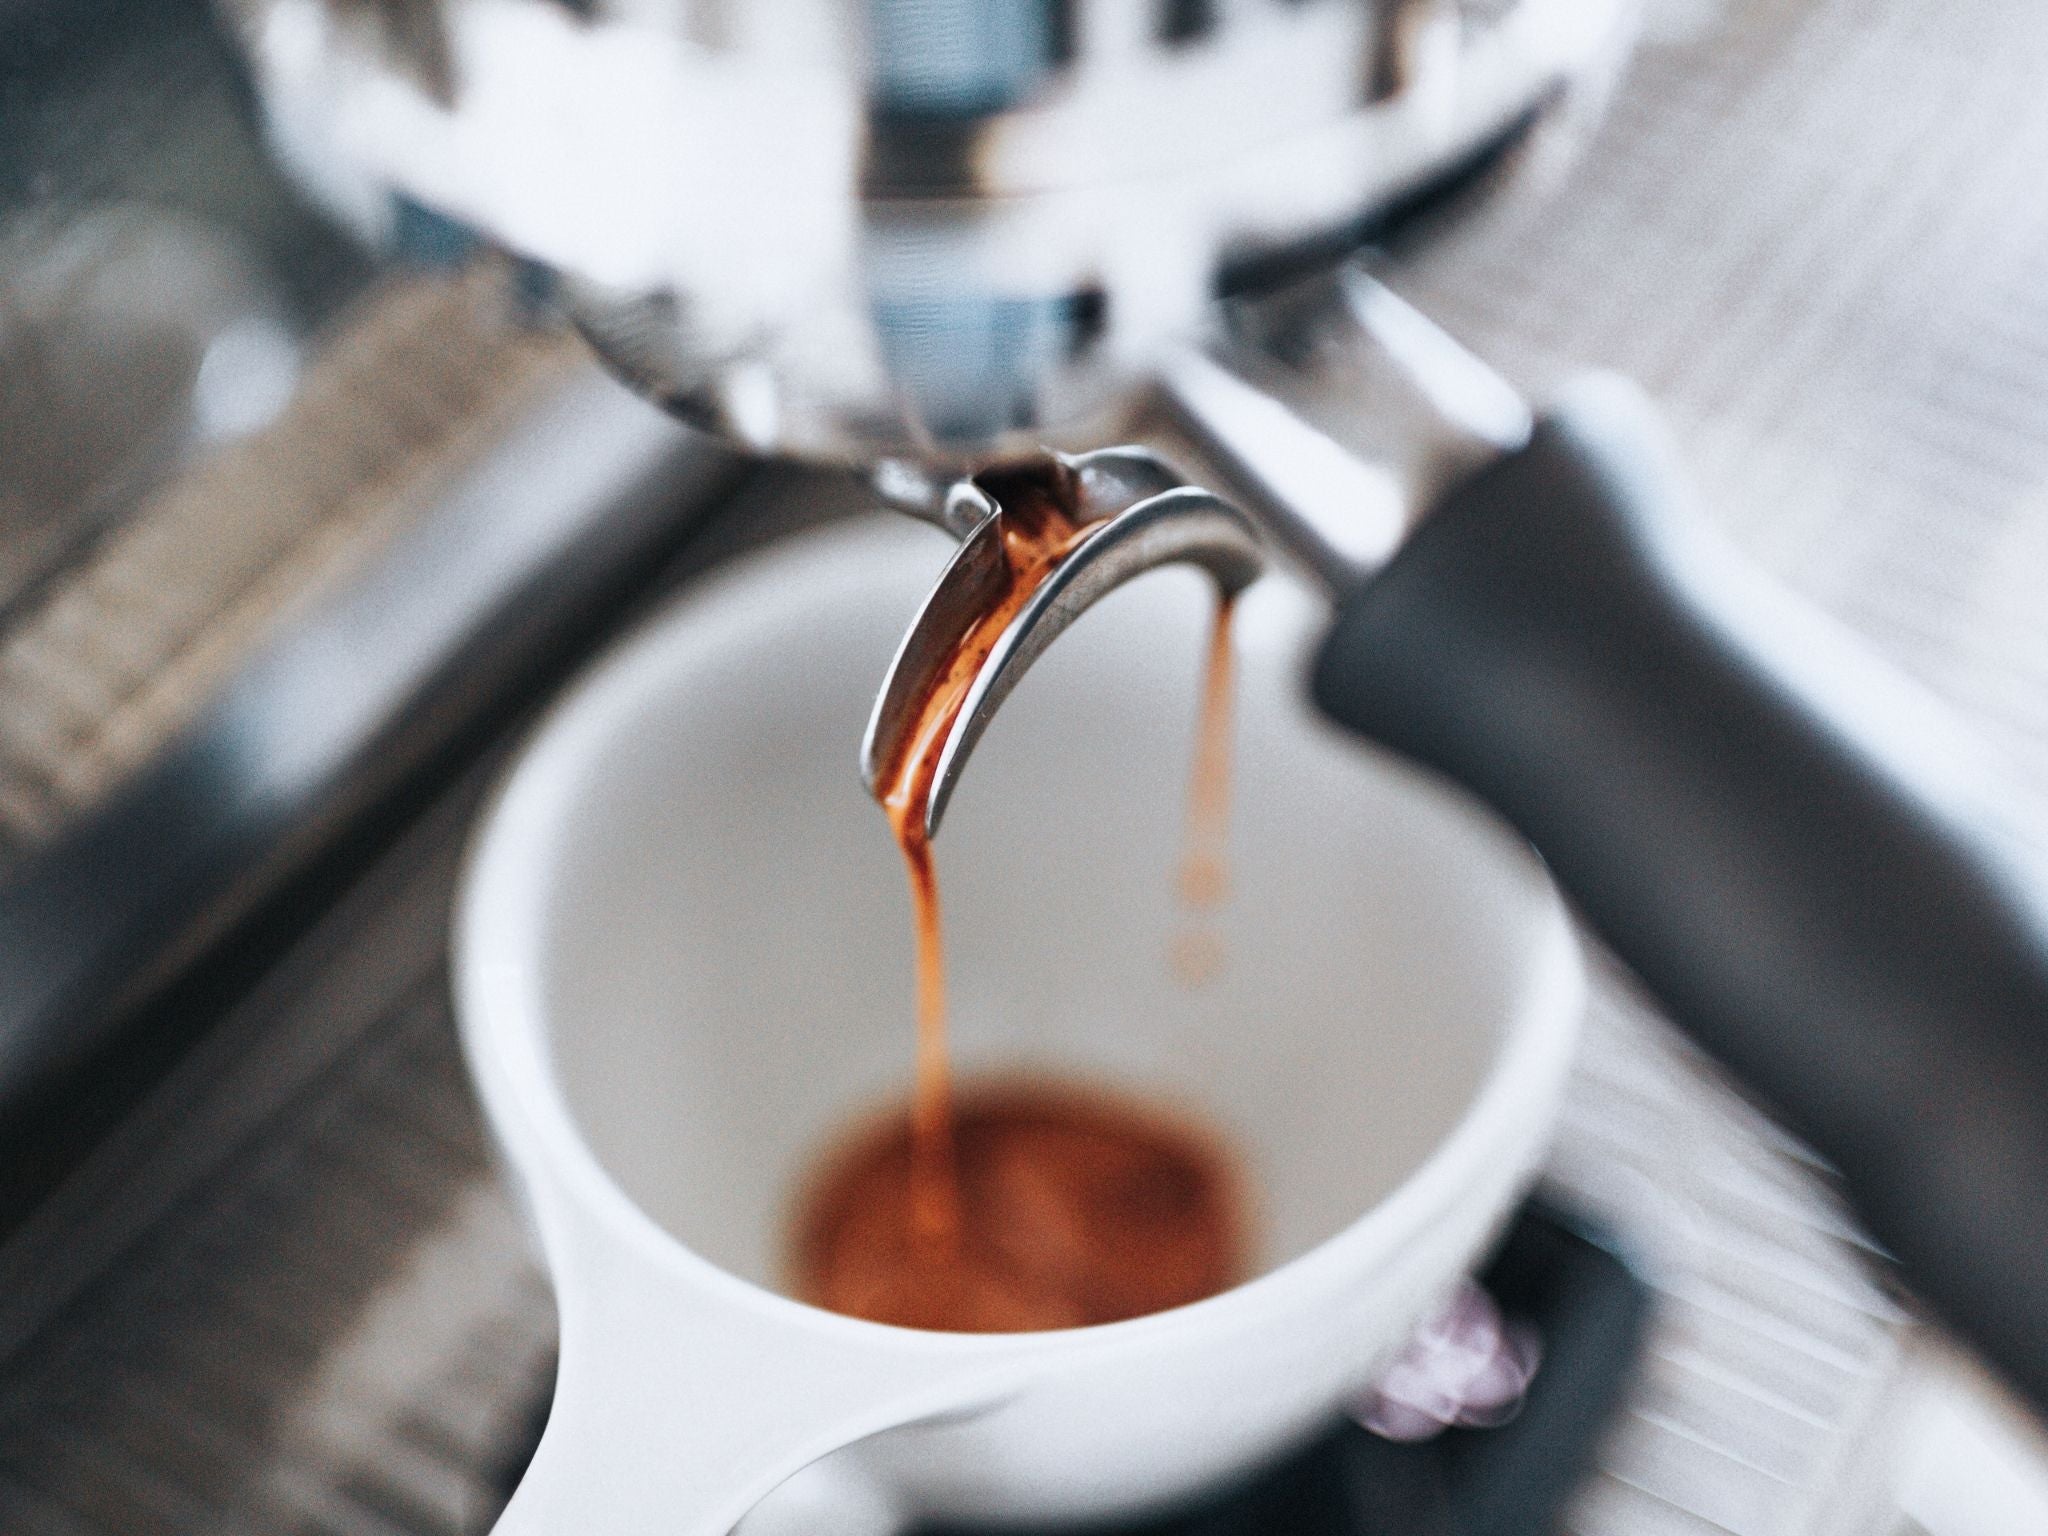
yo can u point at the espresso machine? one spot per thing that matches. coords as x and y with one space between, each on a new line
922 238
930 234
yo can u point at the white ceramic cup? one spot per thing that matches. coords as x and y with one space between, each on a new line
683 963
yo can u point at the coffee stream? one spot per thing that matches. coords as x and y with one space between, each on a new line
1037 529
1026 1207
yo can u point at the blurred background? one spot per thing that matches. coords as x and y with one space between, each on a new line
294 534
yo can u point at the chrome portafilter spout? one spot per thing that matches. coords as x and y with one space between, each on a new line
1134 515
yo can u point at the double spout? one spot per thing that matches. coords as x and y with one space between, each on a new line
1050 538
1127 511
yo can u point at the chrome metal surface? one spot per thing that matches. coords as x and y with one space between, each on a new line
1146 520
944 228
112 653
1432 413
159 278
131 337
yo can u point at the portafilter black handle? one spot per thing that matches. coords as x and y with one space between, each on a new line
1747 809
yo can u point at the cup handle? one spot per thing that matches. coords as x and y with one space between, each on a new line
681 1403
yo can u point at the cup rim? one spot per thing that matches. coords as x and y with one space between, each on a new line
501 893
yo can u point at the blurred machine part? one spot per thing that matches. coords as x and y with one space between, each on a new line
108 656
130 336
928 227
335 531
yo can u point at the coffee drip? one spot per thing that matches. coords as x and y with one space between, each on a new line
1041 1206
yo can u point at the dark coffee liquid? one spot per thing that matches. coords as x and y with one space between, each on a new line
1072 1207
1026 1208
